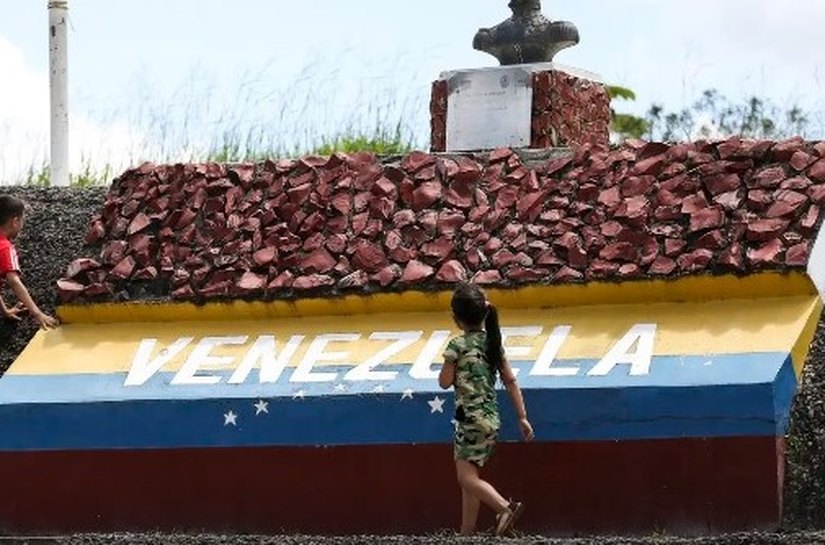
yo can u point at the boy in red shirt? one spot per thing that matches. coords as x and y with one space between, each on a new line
12 211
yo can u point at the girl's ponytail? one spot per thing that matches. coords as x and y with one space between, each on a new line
494 350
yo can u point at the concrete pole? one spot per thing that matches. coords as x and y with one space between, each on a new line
59 91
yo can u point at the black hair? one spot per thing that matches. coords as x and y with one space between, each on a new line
10 208
470 307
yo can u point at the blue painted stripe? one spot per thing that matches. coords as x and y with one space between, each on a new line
572 413
784 391
665 371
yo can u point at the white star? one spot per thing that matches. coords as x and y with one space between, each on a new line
298 395
378 389
436 405
341 388
261 407
230 418
408 394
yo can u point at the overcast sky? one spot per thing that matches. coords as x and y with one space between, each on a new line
156 76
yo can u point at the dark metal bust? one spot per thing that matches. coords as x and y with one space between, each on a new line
527 36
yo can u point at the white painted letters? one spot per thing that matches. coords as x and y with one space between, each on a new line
201 357
515 352
639 361
315 354
272 363
544 365
422 369
403 339
143 367
273 355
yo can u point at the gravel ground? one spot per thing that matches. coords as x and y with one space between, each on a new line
799 538
54 236
805 470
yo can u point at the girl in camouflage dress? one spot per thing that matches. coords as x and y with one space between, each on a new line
472 363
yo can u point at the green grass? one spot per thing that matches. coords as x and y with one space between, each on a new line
90 177
87 177
380 144
316 112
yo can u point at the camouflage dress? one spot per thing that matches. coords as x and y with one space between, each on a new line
476 401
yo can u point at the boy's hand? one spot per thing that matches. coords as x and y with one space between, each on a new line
14 313
526 429
45 321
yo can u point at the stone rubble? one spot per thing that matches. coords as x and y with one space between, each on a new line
344 224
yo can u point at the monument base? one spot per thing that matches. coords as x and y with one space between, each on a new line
531 105
650 416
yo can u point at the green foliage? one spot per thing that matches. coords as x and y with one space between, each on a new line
711 116
629 126
38 175
625 126
615 91
379 144
88 176
382 143
716 116
231 152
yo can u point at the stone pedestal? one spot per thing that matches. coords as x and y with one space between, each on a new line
524 106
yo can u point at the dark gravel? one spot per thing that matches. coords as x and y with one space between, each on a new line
54 236
805 468
801 538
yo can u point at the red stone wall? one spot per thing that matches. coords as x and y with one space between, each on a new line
346 224
567 111
438 116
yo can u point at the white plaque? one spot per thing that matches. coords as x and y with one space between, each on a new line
489 108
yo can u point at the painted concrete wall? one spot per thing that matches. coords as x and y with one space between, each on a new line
672 413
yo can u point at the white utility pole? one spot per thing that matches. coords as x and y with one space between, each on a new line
59 90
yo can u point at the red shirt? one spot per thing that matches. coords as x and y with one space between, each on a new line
8 259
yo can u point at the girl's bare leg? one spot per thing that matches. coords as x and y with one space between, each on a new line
470 505
471 483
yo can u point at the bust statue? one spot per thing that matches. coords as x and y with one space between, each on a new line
527 36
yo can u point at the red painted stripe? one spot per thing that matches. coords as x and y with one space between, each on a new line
685 486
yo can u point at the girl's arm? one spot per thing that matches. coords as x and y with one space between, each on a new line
509 380
11 313
17 287
447 375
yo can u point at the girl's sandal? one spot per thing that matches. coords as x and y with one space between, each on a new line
506 520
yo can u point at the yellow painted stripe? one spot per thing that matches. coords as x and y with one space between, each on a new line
799 353
691 288
695 328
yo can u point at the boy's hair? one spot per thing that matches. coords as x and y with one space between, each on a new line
470 307
10 208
